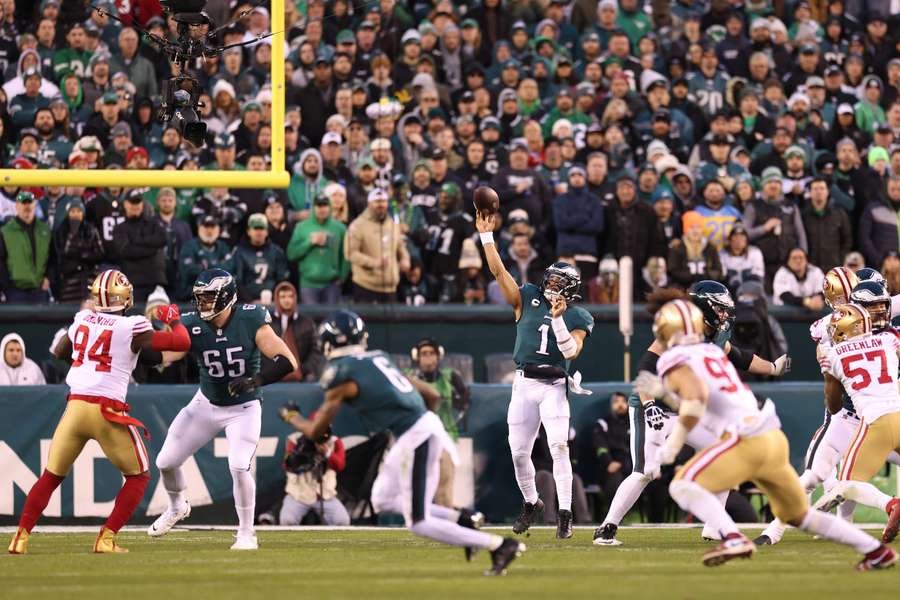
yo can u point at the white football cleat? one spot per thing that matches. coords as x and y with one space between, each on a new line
710 535
168 519
245 541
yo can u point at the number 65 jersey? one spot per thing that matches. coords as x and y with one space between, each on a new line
867 367
102 358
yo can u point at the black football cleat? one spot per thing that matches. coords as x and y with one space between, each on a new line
508 551
471 519
763 540
605 535
529 513
564 524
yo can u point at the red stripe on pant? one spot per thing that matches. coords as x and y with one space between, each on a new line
853 452
709 456
127 500
37 500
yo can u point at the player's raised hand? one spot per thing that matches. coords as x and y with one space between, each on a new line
558 307
484 223
167 314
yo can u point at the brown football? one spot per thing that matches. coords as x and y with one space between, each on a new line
486 200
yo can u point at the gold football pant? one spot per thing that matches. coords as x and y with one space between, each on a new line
83 421
762 459
870 448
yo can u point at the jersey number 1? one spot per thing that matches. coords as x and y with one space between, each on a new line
544 329
99 352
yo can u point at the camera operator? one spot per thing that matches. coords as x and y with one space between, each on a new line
312 470
426 356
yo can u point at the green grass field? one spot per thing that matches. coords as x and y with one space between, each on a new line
653 563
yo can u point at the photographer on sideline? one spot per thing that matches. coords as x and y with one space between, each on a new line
426 357
312 477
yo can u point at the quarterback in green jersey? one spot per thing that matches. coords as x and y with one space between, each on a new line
226 341
549 335
385 400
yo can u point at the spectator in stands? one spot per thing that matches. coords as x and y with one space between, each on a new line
258 264
313 486
610 441
206 251
78 250
604 288
317 246
472 283
692 257
139 245
178 232
16 368
414 289
799 283
24 254
451 407
878 225
280 229
890 268
740 260
827 227
140 71
375 248
299 333
578 217
520 187
24 106
718 216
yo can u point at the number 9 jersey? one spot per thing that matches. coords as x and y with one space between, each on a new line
102 358
867 367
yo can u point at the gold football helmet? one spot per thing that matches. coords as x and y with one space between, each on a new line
112 292
839 282
678 322
849 321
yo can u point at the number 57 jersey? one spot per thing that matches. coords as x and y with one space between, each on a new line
867 367
102 358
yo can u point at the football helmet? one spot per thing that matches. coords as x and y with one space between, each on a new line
561 279
838 284
874 297
112 292
213 293
870 274
340 329
677 323
849 321
717 306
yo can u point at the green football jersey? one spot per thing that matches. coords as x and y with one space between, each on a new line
386 399
535 341
228 353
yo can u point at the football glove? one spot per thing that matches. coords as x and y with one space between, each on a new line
781 365
649 384
666 454
236 387
655 416
288 410
167 314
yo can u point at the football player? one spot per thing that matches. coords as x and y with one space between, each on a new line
386 400
549 336
104 345
864 363
226 341
652 422
698 379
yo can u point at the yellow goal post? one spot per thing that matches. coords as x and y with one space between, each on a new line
277 177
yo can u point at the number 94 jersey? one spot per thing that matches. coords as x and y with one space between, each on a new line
102 359
226 354
867 368
386 399
535 341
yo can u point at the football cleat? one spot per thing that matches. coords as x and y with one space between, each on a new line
763 540
605 535
882 557
893 523
771 535
564 524
471 519
735 545
829 501
106 543
19 542
245 541
529 513
508 551
709 534
168 519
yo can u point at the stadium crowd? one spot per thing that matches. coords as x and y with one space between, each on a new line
725 140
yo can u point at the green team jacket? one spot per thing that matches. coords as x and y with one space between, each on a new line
258 268
319 266
26 268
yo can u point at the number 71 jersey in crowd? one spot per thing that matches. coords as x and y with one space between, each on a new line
867 367
731 405
227 353
102 358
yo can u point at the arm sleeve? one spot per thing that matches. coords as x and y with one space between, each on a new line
338 459
740 358
648 361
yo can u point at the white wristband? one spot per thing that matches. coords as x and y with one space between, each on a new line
487 237
564 340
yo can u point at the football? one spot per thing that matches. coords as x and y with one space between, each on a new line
486 200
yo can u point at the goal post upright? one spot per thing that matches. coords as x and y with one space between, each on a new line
277 177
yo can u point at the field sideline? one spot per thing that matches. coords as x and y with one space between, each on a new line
655 562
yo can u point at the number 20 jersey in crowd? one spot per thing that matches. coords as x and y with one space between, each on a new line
227 353
535 340
386 399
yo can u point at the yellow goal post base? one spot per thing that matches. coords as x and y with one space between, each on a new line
277 177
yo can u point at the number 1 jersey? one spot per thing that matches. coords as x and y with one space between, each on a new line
535 340
102 358
867 367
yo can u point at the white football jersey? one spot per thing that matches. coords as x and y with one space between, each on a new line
731 406
102 359
818 331
867 368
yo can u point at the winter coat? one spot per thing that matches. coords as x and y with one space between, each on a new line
878 231
25 252
302 190
78 250
319 266
27 373
140 244
366 243
828 234
299 333
578 217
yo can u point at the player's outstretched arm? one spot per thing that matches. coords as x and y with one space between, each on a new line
745 360
508 286
176 339
326 413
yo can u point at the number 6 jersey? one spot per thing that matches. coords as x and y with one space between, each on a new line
102 358
867 367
